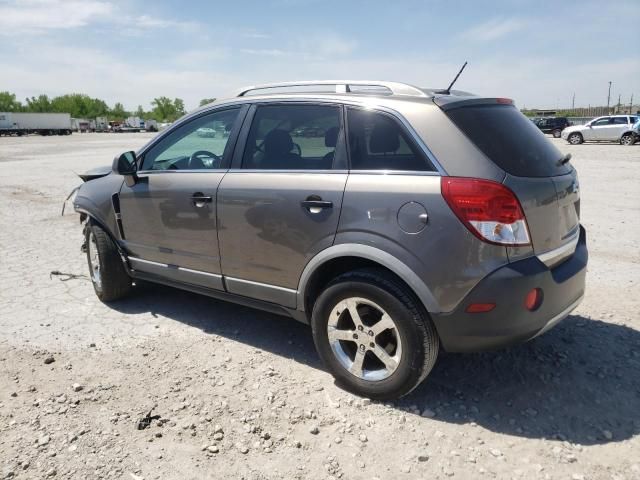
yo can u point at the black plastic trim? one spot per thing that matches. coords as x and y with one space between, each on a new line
510 322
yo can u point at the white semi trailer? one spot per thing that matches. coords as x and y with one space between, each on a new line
15 123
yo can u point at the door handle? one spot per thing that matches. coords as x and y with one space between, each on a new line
199 199
316 204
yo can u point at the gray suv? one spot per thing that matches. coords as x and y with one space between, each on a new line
394 220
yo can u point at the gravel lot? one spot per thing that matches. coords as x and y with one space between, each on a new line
241 393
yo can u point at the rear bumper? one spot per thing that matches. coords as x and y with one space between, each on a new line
510 322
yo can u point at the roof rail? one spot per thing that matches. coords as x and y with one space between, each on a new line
342 86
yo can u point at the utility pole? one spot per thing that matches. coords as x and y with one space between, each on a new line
631 104
573 101
609 97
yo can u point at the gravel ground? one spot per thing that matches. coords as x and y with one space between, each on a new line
241 393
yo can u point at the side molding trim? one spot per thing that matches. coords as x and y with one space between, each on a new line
175 273
262 291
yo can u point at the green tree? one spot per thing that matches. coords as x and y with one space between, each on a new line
8 102
206 101
178 104
79 105
167 110
163 109
140 112
118 112
38 104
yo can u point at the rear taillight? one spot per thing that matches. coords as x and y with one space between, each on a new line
489 210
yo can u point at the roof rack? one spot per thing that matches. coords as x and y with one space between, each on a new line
343 86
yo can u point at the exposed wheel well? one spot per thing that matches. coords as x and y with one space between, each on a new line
337 266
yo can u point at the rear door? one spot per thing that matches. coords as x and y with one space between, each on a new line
546 186
618 126
169 215
280 203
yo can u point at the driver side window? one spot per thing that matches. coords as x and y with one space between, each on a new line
197 145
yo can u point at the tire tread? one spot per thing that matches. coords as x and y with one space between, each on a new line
419 315
116 283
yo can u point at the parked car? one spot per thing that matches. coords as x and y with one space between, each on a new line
425 220
631 136
553 125
206 132
602 129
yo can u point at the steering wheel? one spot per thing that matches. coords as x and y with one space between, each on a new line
196 163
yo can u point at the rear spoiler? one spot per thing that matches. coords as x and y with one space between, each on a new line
448 102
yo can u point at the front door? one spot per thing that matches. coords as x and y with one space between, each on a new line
598 129
169 214
279 205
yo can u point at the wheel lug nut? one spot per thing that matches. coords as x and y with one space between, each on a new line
372 345
360 327
370 332
355 335
362 347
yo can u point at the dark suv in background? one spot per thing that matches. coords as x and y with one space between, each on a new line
394 220
553 125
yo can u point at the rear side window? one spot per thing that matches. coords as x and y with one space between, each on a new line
377 142
620 120
509 139
294 137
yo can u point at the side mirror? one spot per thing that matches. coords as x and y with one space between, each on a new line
127 166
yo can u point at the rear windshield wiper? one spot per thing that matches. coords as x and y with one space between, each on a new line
564 159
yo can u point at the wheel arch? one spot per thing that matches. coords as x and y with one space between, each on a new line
341 258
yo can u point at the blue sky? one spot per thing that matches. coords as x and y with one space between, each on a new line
538 52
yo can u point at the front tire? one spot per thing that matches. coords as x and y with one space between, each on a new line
373 335
108 276
556 133
575 139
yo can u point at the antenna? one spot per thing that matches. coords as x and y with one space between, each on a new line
448 90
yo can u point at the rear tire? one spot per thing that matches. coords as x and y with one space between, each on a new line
390 346
628 139
575 139
556 133
108 276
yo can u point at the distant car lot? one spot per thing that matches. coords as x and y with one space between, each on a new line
608 128
567 402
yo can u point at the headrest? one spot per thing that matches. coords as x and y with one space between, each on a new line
277 142
331 137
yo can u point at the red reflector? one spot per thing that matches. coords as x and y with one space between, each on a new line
533 300
480 307
507 101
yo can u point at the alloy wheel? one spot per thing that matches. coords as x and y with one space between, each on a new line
364 339
94 261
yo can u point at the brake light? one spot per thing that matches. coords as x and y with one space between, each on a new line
488 209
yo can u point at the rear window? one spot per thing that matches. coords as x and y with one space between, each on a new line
509 139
